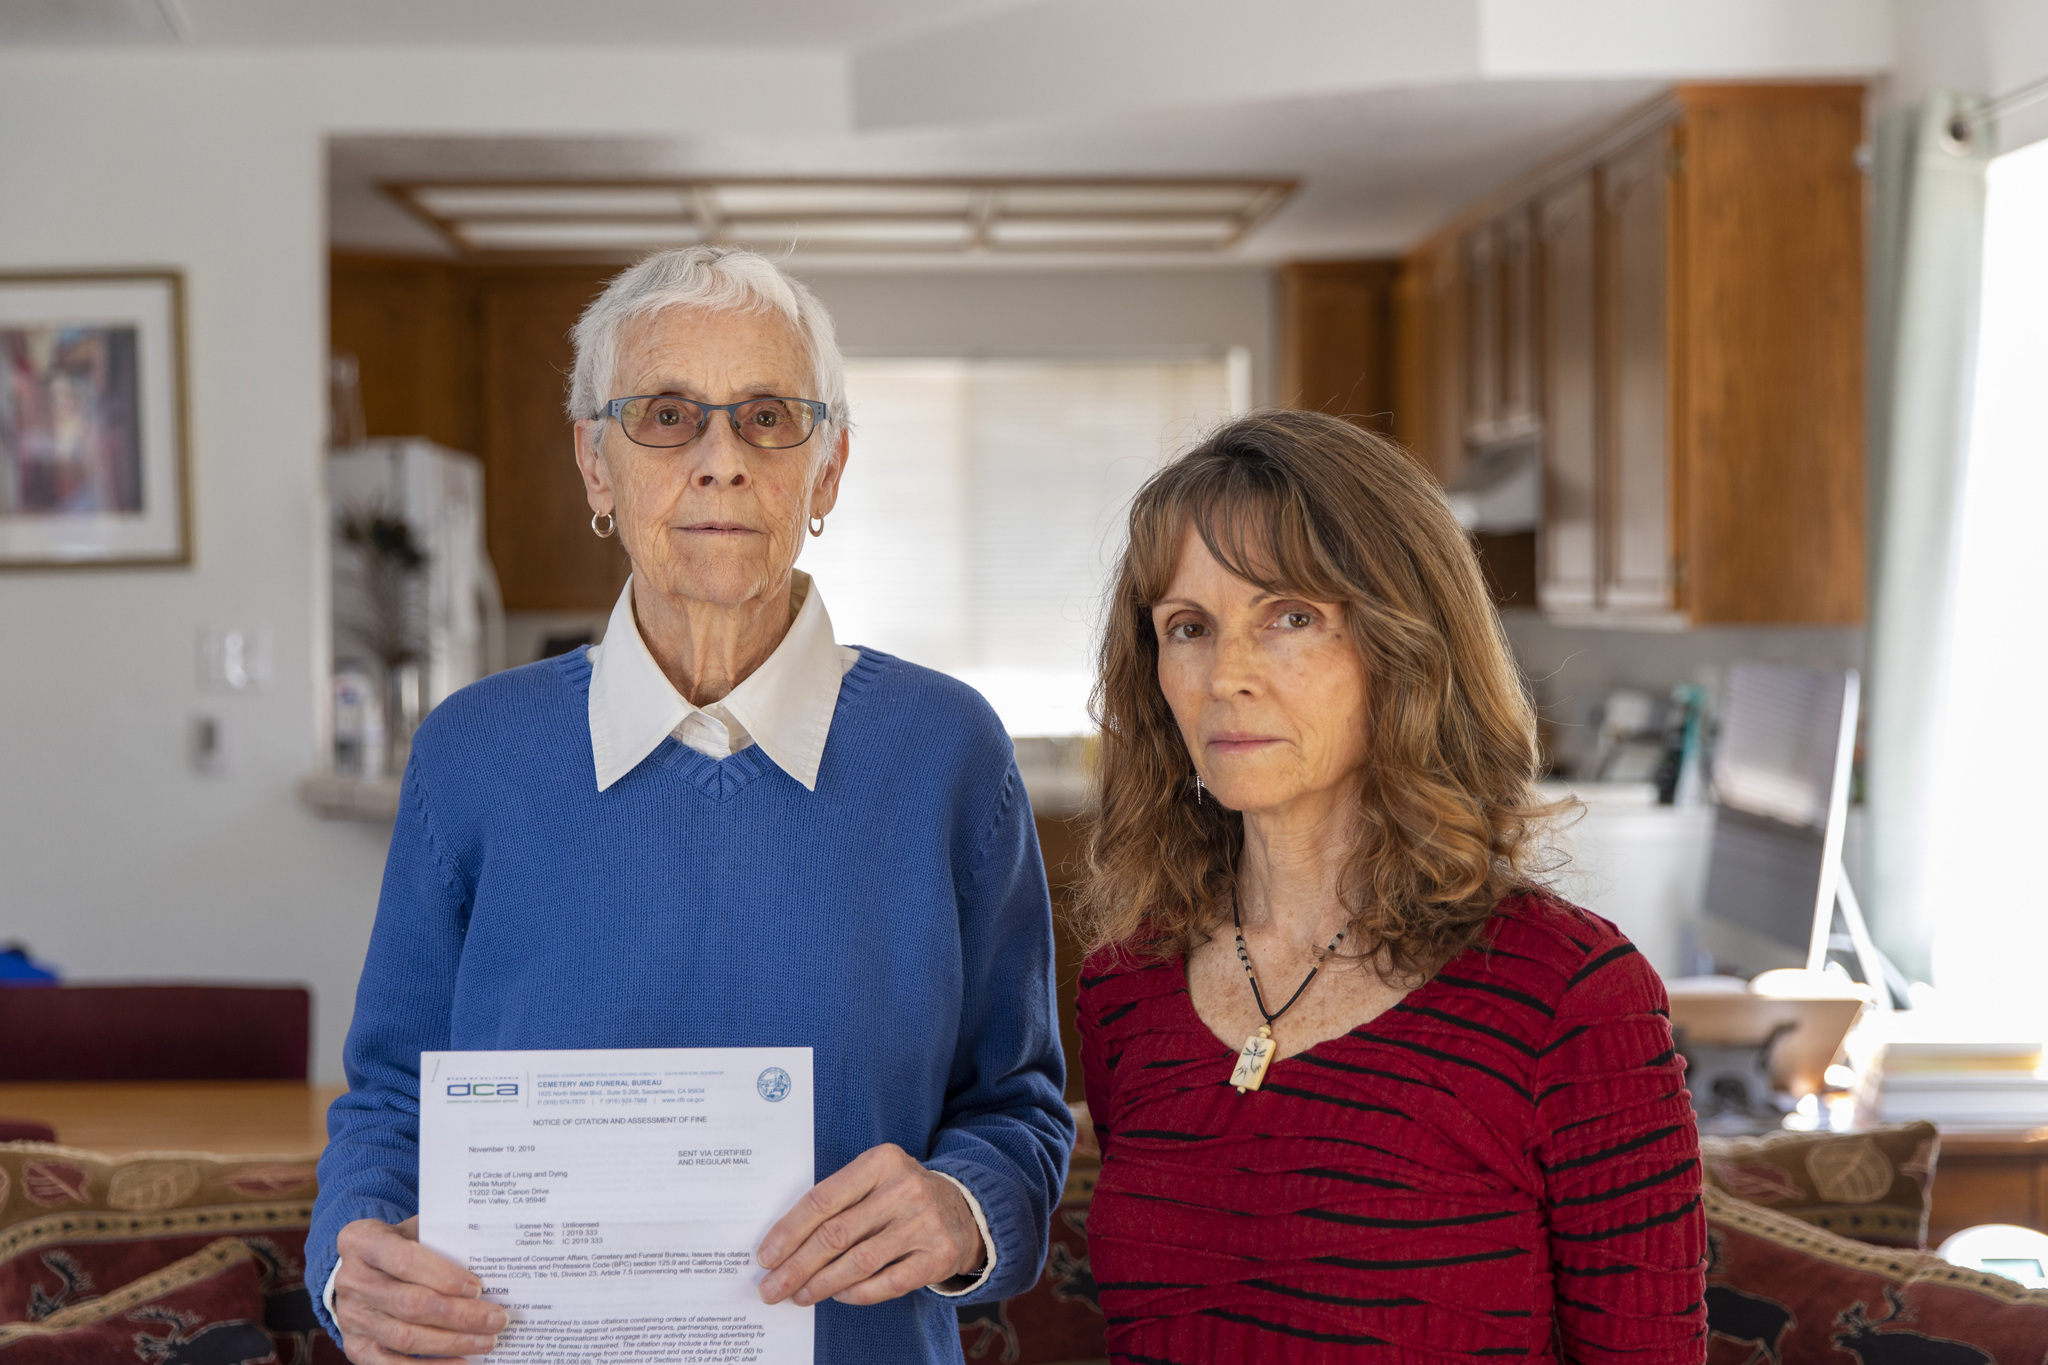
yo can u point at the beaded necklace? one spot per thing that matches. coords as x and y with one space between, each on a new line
1258 1049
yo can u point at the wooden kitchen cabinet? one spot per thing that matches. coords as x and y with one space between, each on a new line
1989 1178
1676 310
1338 324
1481 358
1429 309
537 520
1514 250
1637 575
1567 336
1337 338
475 357
407 324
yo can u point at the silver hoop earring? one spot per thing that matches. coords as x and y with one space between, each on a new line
817 526
611 524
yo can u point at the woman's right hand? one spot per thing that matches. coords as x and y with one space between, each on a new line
395 1301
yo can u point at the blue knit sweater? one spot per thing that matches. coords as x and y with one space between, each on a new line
895 920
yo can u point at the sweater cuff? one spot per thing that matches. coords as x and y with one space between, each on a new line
1012 1229
953 1288
323 1250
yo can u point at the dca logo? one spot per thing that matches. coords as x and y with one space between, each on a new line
483 1090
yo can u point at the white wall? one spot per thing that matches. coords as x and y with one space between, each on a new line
1974 47
116 860
1000 65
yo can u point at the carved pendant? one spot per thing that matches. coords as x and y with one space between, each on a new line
1253 1061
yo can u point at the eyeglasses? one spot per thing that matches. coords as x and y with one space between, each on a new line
665 421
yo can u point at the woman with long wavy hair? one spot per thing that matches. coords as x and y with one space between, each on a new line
1364 1090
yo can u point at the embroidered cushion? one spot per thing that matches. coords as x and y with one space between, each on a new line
1782 1290
77 1226
205 1307
1874 1186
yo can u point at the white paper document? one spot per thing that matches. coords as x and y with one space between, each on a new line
612 1201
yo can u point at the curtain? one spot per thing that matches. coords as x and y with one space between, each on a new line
1991 940
1926 259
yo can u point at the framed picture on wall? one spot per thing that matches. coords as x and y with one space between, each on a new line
93 465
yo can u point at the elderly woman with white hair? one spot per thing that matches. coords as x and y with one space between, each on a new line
720 828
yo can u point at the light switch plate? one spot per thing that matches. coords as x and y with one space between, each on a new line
235 659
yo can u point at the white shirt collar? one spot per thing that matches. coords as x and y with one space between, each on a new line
785 705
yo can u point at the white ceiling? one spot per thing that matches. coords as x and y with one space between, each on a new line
1391 113
836 24
1378 168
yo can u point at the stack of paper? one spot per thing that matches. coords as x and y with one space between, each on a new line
1959 1085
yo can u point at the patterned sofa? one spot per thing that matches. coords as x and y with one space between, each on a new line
1815 1242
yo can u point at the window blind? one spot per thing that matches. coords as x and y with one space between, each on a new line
983 508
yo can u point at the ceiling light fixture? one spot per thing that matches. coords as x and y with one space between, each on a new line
582 235
476 201
581 219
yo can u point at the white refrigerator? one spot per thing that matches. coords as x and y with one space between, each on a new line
432 499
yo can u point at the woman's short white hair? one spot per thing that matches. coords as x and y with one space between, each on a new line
717 279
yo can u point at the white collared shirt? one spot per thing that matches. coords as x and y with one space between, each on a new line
785 705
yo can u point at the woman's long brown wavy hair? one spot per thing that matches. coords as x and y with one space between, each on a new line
1307 505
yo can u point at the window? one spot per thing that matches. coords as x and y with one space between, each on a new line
984 505
1991 939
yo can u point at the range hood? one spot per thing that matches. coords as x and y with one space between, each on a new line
1501 490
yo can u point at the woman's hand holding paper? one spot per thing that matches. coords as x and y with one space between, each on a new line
881 1227
396 1300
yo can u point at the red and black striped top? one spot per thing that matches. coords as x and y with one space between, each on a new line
1503 1164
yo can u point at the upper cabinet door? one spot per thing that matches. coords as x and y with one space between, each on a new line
1675 312
1446 360
1567 309
1514 249
1636 568
1481 337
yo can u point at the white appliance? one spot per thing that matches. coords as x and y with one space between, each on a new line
1635 862
2019 1254
439 493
